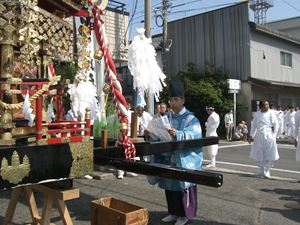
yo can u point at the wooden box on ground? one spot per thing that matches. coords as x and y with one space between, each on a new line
111 211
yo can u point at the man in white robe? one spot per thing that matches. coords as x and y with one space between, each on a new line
211 125
228 121
279 114
143 119
291 123
264 148
297 134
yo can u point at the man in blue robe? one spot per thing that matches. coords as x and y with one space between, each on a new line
181 196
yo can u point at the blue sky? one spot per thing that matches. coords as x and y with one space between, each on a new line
179 9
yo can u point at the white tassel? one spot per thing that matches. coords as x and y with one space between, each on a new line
148 77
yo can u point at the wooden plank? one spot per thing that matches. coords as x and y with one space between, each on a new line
64 212
58 193
47 206
36 218
12 206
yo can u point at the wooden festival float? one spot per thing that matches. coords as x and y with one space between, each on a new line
33 33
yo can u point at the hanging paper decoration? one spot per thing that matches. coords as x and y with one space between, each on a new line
28 111
50 111
147 75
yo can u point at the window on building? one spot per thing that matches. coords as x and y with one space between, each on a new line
286 59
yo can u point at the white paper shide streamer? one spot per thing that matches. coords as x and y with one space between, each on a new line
28 111
83 95
147 75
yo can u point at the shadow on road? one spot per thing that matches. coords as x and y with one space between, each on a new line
155 219
288 195
287 213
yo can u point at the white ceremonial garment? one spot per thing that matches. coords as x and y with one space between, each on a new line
297 134
143 122
279 115
264 129
291 124
228 119
211 125
285 114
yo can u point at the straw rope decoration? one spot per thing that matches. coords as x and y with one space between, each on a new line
118 98
32 98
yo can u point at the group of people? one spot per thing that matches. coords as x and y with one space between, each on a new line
286 120
267 125
240 132
181 196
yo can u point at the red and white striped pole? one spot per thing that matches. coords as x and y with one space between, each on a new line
118 98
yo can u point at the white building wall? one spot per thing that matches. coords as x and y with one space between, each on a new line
115 27
265 59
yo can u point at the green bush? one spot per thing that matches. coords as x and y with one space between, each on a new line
203 88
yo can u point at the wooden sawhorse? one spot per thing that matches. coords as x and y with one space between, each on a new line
50 194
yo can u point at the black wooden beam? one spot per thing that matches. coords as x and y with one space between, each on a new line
164 171
147 148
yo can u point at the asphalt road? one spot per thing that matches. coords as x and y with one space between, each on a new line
242 200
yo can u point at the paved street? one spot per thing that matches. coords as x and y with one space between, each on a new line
242 200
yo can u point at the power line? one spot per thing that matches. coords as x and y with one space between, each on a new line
291 5
183 4
134 10
211 7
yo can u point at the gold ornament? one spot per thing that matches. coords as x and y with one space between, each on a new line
6 120
84 53
123 126
106 88
15 172
98 55
2 22
84 64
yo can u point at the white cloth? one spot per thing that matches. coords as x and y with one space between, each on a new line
211 125
158 127
297 134
264 129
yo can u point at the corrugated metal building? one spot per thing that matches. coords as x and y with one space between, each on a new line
266 61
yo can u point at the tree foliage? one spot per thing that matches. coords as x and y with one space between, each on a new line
203 88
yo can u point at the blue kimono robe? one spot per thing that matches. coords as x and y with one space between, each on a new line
187 127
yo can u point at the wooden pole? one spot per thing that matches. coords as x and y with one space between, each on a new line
134 117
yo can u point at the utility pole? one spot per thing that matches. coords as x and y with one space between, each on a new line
150 99
147 18
165 32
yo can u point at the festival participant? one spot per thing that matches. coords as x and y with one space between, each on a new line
228 121
212 125
264 130
181 196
